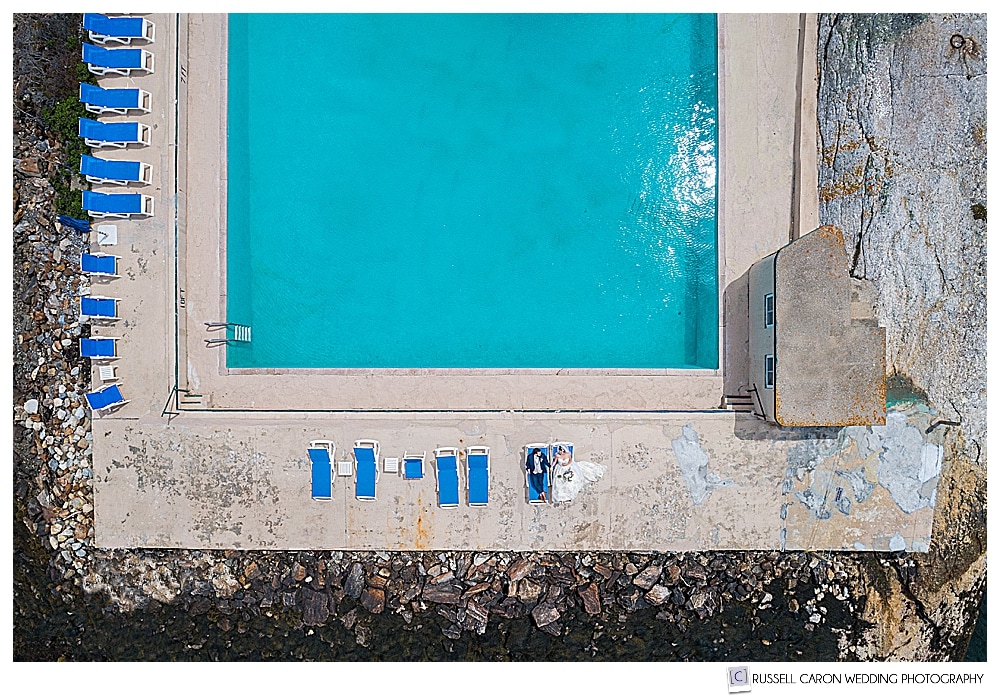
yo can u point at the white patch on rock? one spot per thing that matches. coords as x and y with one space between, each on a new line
930 461
902 464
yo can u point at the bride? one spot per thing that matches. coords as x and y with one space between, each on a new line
569 476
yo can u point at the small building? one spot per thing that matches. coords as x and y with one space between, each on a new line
816 352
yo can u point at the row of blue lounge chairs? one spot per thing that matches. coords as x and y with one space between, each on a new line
122 172
103 30
366 473
101 309
103 266
99 100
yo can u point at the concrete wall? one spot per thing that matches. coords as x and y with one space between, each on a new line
761 282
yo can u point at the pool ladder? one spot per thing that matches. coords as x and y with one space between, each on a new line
240 333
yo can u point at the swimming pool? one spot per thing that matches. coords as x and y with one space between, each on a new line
472 191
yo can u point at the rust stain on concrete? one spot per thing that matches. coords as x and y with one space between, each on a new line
422 537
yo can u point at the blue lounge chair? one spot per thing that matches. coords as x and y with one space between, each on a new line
365 469
107 397
535 495
99 100
321 454
117 61
478 480
123 30
93 307
121 172
413 465
446 461
100 205
97 134
99 264
99 348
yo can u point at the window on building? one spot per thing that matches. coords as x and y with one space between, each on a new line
769 310
769 371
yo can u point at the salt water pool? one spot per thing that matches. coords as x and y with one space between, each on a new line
472 191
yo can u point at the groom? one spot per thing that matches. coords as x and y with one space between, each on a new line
537 465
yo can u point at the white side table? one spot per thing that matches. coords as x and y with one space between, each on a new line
107 235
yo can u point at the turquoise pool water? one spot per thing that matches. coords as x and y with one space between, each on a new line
438 191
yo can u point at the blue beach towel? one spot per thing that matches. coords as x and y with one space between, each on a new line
78 225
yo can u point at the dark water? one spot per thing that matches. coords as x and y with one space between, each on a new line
977 647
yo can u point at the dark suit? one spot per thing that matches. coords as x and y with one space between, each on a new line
537 479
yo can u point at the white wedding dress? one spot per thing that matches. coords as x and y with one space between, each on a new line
569 480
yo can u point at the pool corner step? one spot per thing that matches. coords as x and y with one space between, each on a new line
190 400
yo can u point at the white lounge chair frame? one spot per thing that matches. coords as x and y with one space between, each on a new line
100 412
98 318
469 452
527 483
104 359
148 66
147 210
148 34
142 139
145 177
415 455
145 106
445 452
373 444
330 447
327 445
101 275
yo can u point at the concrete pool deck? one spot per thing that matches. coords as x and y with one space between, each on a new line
226 465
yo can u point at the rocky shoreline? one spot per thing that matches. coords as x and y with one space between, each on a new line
767 603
